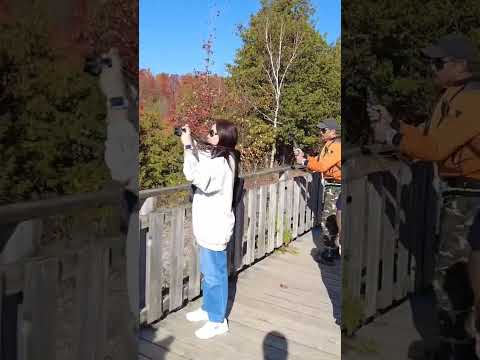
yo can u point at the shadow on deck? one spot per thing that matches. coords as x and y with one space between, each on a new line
286 306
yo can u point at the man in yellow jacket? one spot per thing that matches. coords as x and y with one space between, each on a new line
451 139
328 162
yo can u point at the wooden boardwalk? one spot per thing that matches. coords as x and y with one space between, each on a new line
284 307
394 335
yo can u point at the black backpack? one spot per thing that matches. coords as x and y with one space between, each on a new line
238 184
238 191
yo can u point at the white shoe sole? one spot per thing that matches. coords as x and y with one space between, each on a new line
196 319
223 332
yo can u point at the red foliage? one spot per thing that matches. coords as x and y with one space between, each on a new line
162 87
115 24
192 98
202 88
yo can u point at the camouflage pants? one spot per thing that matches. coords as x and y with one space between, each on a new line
451 282
329 218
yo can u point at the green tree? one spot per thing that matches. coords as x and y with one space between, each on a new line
161 154
288 75
52 119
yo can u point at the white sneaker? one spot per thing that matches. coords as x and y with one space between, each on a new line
211 329
197 315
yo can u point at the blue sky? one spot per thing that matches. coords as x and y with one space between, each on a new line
172 31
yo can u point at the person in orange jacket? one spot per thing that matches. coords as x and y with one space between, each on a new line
451 139
328 162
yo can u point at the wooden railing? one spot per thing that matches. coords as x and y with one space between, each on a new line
70 290
269 216
388 231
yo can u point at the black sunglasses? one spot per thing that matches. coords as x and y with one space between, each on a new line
438 64
323 130
212 133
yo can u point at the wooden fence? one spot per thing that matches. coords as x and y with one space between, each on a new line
388 231
269 216
67 300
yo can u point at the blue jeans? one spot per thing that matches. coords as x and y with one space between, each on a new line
213 266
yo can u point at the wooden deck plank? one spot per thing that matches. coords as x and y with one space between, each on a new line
272 214
374 238
308 207
194 272
302 323
267 320
388 257
251 347
403 281
275 340
262 222
177 334
154 271
359 194
176 266
246 221
281 214
296 207
149 350
252 226
238 234
41 281
289 205
302 205
320 311
314 198
305 334
300 280
390 335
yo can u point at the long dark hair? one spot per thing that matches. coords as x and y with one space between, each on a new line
227 140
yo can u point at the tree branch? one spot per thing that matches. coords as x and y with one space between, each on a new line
268 118
297 42
269 76
270 54
255 107
280 49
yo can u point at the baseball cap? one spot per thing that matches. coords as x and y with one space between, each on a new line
454 45
329 123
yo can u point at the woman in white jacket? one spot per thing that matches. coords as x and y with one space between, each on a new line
212 173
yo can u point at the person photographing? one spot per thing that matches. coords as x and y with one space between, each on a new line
212 171
450 139
328 163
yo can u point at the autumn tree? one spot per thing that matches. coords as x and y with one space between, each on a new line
115 24
199 95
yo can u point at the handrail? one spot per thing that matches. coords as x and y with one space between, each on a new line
144 194
17 212
376 149
27 210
